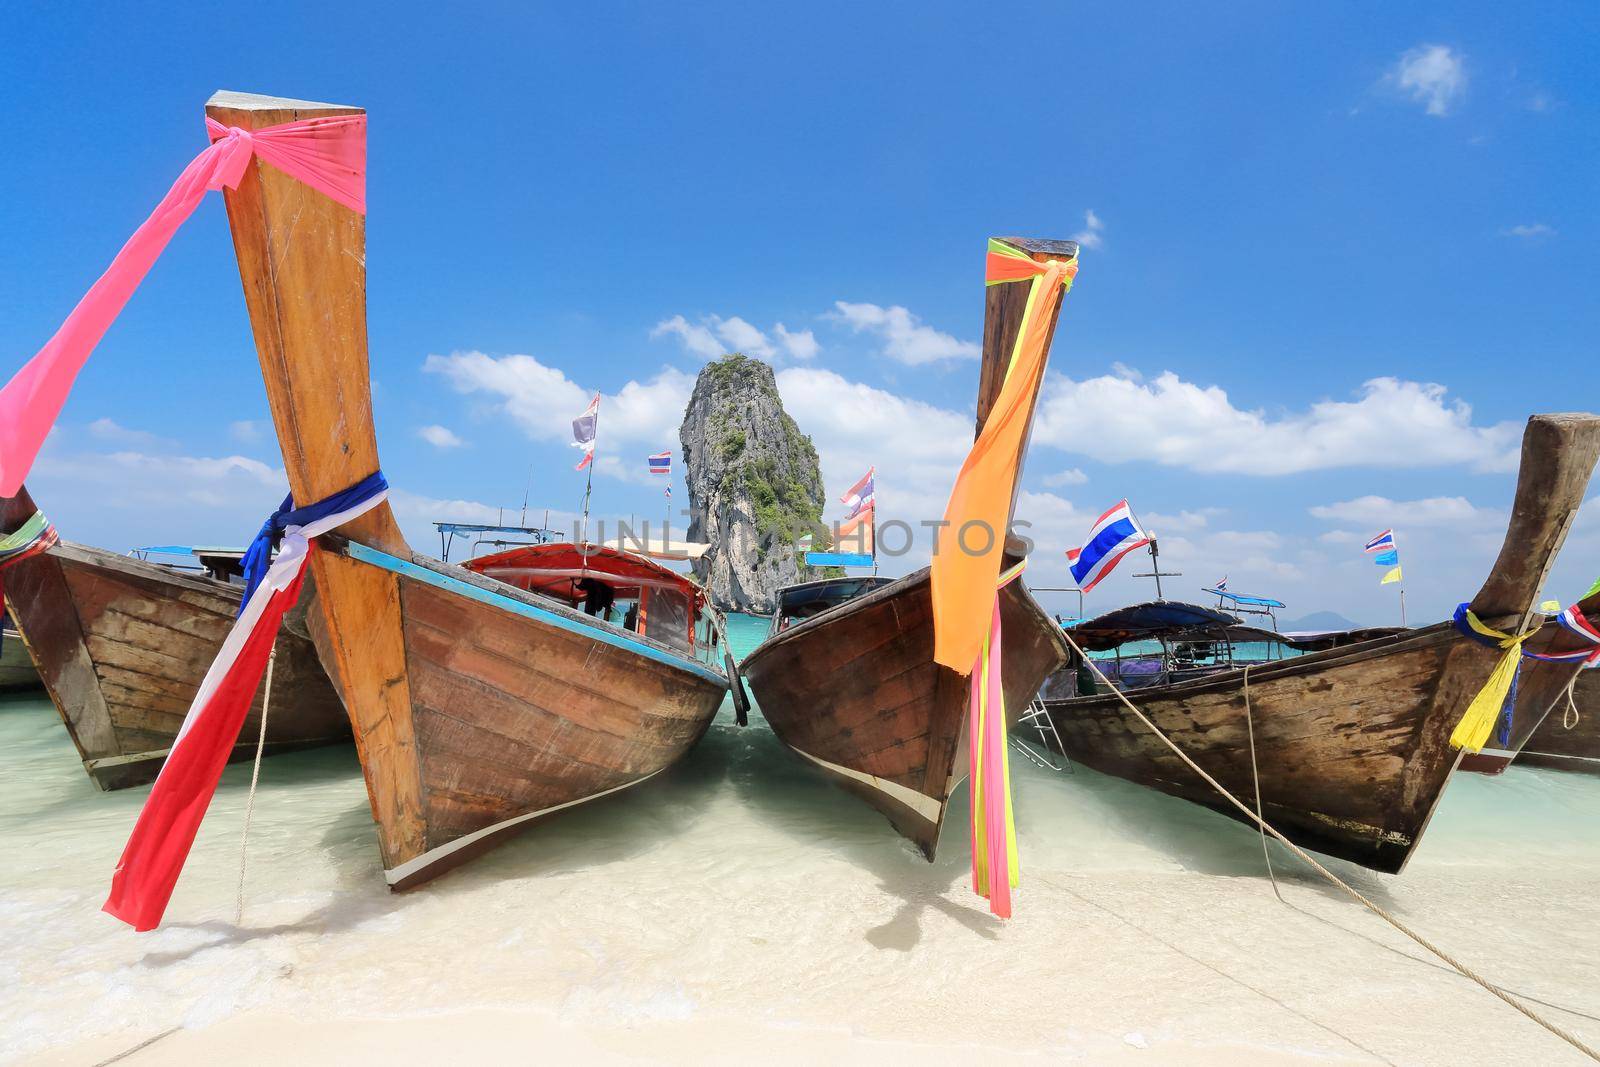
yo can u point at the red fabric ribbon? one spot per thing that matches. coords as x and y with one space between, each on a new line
328 154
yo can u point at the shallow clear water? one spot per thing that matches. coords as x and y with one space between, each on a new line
743 885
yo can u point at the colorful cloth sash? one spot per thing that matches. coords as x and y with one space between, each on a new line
328 154
1496 699
258 557
995 871
965 585
160 842
30 539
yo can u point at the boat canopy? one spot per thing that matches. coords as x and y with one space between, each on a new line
556 570
1317 640
1147 622
802 601
621 588
1241 600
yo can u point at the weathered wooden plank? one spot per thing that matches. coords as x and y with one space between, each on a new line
894 715
127 644
302 261
1352 744
465 713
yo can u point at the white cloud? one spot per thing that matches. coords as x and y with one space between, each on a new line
740 336
1181 424
1431 75
543 401
1379 512
1122 370
1062 479
1528 231
126 497
1185 521
714 336
245 431
801 344
906 338
917 447
699 340
111 430
440 437
1092 236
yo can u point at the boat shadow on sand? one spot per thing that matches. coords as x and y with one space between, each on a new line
607 831
1148 826
797 799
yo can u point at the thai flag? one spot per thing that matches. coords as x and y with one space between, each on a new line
1115 534
1222 586
1384 542
583 428
661 463
861 496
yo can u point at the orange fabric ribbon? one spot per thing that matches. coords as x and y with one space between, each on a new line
963 580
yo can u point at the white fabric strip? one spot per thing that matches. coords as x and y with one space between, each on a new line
291 560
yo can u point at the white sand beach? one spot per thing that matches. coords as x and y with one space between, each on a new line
741 907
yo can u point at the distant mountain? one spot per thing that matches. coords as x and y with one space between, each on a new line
1317 622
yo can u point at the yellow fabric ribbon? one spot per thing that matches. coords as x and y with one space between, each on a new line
1484 711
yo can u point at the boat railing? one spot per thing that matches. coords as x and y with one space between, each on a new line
1053 749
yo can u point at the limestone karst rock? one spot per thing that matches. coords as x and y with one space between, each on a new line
754 483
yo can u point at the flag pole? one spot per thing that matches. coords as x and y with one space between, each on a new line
1401 583
588 485
872 527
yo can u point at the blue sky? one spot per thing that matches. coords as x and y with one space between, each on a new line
1287 204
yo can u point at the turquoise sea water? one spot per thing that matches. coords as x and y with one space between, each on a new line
742 884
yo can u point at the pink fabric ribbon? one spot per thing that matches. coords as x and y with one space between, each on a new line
328 154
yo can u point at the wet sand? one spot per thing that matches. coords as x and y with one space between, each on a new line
740 906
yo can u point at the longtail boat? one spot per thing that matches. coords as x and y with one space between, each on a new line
1352 743
17 672
121 645
1563 735
477 706
847 677
1569 737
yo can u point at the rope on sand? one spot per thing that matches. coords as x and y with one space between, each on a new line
255 776
1267 828
1255 774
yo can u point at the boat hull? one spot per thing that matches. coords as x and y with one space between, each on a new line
1550 742
1351 744
122 646
521 708
856 692
17 672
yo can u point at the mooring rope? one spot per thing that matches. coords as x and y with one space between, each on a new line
255 776
1569 714
1255 775
1266 827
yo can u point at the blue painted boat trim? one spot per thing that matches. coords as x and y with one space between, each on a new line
838 559
605 635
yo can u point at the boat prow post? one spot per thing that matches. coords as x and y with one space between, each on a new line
302 262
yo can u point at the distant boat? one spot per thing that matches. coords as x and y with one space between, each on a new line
121 645
847 679
1569 738
478 705
17 672
1561 736
1352 742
